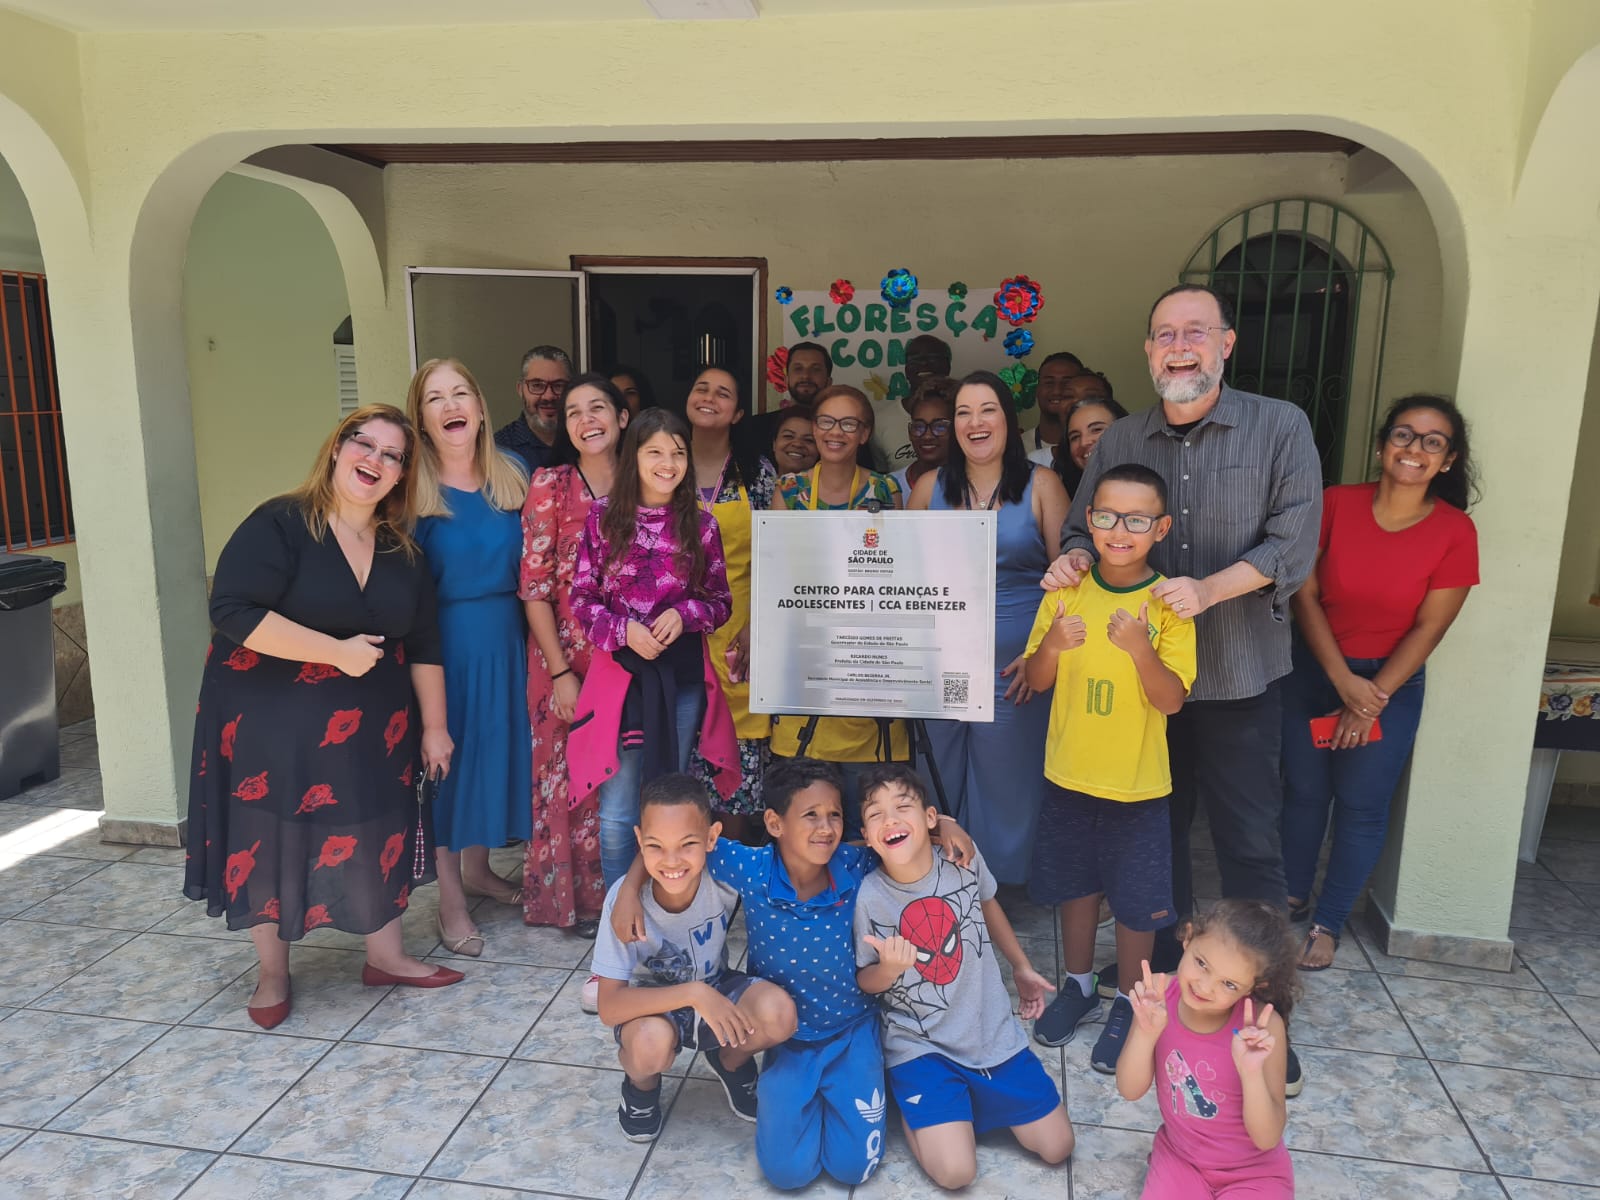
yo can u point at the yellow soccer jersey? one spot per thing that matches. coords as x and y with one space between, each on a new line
1106 739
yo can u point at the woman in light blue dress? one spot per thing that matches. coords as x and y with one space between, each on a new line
993 774
469 498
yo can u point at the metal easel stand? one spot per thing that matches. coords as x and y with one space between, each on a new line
921 743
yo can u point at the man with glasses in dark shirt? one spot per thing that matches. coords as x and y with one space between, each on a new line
1244 486
546 371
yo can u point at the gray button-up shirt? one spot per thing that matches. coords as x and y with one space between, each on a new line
1245 485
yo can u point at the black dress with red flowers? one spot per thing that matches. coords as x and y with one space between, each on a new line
302 799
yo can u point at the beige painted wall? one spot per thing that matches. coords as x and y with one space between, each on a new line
262 295
1104 236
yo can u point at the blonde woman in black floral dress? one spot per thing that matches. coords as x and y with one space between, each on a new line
302 803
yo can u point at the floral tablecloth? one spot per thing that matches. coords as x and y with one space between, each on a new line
1569 707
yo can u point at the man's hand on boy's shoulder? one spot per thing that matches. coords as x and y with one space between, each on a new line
956 842
627 916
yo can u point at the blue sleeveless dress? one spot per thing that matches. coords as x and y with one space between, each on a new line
475 555
993 773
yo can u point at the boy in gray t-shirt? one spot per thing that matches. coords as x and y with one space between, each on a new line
673 990
926 931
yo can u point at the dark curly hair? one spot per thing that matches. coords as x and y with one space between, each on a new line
1457 486
1261 931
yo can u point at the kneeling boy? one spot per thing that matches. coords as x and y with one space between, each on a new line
673 990
959 1062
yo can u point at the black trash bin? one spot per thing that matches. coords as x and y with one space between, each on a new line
30 747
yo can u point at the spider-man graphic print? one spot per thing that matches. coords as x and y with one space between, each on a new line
952 1000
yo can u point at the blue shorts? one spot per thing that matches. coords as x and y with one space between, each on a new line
1086 845
693 1034
932 1090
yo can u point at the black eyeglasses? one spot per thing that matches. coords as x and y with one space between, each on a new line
1106 519
846 424
921 428
368 448
1401 436
538 387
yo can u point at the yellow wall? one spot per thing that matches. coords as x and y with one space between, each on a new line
262 296
1574 616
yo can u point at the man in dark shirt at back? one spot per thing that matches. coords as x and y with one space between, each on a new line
542 387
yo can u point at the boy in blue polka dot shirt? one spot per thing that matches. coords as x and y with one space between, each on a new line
821 1094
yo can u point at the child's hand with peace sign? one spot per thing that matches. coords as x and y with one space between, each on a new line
1150 1002
1253 1042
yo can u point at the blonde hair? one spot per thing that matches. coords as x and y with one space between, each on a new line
396 513
504 484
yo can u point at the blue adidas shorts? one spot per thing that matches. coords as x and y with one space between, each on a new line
933 1090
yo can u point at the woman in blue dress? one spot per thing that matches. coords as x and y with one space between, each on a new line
993 774
469 499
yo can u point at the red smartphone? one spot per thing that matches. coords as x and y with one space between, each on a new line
1322 729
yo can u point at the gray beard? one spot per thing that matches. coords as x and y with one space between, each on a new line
538 423
1185 390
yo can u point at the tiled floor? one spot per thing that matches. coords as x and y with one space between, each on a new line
128 1068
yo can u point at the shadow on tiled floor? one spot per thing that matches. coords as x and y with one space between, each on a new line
130 1069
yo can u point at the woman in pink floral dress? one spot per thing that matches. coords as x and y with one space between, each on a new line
562 884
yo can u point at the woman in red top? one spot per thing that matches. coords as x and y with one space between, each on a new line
1395 561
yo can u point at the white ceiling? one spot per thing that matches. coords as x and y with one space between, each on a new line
124 15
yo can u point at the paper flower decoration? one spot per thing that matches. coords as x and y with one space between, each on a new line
1019 343
778 368
899 288
1023 382
958 290
785 295
841 291
1019 300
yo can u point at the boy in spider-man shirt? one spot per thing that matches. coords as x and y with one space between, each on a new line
958 1059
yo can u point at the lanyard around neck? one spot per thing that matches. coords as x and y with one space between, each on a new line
814 499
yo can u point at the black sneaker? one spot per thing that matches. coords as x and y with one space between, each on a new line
740 1085
1108 1048
1294 1079
1059 1022
1105 980
639 1114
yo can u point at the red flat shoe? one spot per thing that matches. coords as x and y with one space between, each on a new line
442 977
270 1016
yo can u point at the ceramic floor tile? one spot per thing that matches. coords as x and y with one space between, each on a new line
1457 1022
65 832
24 884
82 753
1377 1106
1541 1126
1386 964
1091 1097
1573 823
444 1189
1331 1177
1585 1013
1571 862
11 1138
1005 1169
86 1168
1350 955
51 954
1533 870
580 1151
1563 962
73 788
488 1012
1589 893
161 856
14 817
705 1150
1350 1010
48 1060
121 895
151 978
329 999
567 1035
234 1177
374 1107
190 920
1109 1164
508 940
1550 907
199 1088
1538 1189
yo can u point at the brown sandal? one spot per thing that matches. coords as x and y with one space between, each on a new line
1317 931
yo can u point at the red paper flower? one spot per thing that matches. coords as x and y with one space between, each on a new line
316 672
1019 300
238 870
405 777
270 909
395 730
317 915
778 368
404 898
229 731
242 659
392 849
318 796
335 850
252 788
841 291
341 727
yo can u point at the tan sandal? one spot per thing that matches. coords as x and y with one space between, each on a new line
460 945
513 901
1318 931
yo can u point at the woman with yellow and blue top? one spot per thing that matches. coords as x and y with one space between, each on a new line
842 420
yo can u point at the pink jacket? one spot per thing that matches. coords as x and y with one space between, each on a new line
597 725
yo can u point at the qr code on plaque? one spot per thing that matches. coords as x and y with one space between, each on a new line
956 689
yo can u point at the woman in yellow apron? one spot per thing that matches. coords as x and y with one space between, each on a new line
733 479
842 422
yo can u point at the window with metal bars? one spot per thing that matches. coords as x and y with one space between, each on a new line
35 500
1310 288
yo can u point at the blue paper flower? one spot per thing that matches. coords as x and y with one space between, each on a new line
899 288
1019 343
785 295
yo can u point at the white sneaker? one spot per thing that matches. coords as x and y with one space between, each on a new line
590 1000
